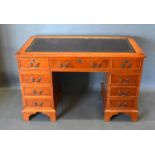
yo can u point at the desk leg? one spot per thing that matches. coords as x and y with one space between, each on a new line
49 112
110 113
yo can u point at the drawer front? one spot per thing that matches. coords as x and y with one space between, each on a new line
126 64
35 78
121 91
38 103
37 91
33 63
122 104
92 63
124 80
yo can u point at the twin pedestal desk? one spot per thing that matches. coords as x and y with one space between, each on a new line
120 57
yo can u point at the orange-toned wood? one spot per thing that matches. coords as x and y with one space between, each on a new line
69 63
123 91
108 114
119 103
46 82
33 63
37 91
27 112
38 102
33 78
124 79
124 70
126 64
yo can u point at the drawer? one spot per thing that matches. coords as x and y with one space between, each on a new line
35 78
126 64
62 63
126 80
37 91
33 63
38 103
122 104
123 91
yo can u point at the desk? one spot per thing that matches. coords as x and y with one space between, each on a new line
120 57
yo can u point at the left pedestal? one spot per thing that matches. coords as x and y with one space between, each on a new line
37 87
37 93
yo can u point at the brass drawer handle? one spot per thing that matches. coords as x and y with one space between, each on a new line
38 80
40 104
122 104
35 92
95 65
40 92
61 65
66 64
123 93
124 81
35 103
126 64
34 64
80 61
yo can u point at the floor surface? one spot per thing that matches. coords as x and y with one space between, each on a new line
75 111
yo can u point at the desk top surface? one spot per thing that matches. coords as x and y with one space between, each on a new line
80 45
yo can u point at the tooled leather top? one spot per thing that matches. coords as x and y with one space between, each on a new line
80 45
